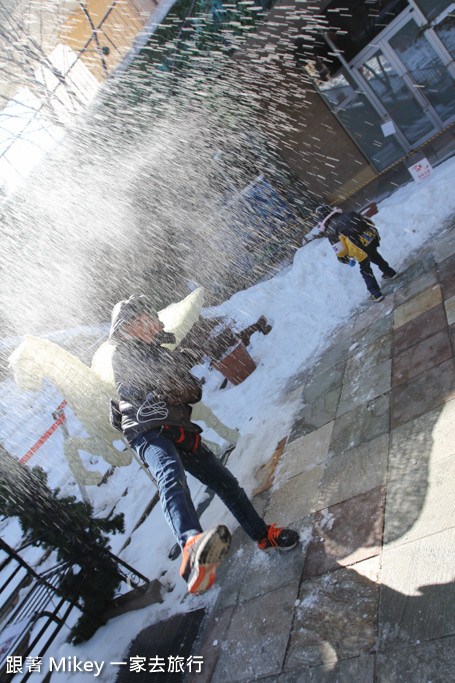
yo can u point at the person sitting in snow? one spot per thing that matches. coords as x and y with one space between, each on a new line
156 390
355 238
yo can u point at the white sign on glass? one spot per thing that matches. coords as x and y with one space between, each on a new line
388 128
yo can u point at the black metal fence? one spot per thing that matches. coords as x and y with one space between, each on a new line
33 610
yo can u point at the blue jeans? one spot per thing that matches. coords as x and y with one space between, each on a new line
168 464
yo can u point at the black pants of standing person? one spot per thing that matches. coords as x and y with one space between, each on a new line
365 268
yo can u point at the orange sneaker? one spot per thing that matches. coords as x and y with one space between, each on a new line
201 556
279 538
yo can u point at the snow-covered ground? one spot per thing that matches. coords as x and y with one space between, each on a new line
304 304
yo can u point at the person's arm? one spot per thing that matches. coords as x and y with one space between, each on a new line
179 389
336 239
174 383
341 251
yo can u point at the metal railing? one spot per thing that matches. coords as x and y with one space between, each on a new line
32 607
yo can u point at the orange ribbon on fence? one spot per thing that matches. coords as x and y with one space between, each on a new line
61 418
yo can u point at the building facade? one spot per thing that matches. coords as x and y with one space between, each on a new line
382 76
387 72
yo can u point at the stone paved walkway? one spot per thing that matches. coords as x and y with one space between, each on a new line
367 476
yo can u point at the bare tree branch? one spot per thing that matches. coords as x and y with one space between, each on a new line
28 34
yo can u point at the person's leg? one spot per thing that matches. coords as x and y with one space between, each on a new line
205 467
202 551
166 467
369 278
376 258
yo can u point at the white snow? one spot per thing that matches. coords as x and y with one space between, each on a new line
304 304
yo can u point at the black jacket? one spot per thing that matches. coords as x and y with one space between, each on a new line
154 385
352 235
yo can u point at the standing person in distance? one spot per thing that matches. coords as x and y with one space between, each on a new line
355 238
156 390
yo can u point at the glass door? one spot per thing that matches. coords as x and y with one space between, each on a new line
396 98
444 27
360 119
425 68
405 76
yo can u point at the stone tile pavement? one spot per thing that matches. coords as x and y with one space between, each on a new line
367 477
